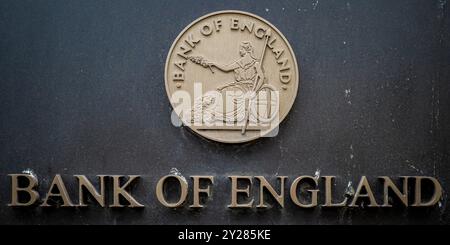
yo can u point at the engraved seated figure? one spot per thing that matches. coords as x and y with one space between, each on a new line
247 70
248 77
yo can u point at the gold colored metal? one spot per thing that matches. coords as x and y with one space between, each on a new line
418 202
197 190
235 190
389 185
119 190
62 193
15 189
328 194
83 183
231 54
363 183
160 191
263 184
314 192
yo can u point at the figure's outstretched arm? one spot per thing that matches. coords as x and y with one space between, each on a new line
226 68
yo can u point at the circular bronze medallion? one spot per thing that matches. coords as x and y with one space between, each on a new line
231 77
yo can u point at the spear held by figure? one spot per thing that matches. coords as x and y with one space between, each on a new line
258 81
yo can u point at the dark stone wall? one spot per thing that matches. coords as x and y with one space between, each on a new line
82 92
